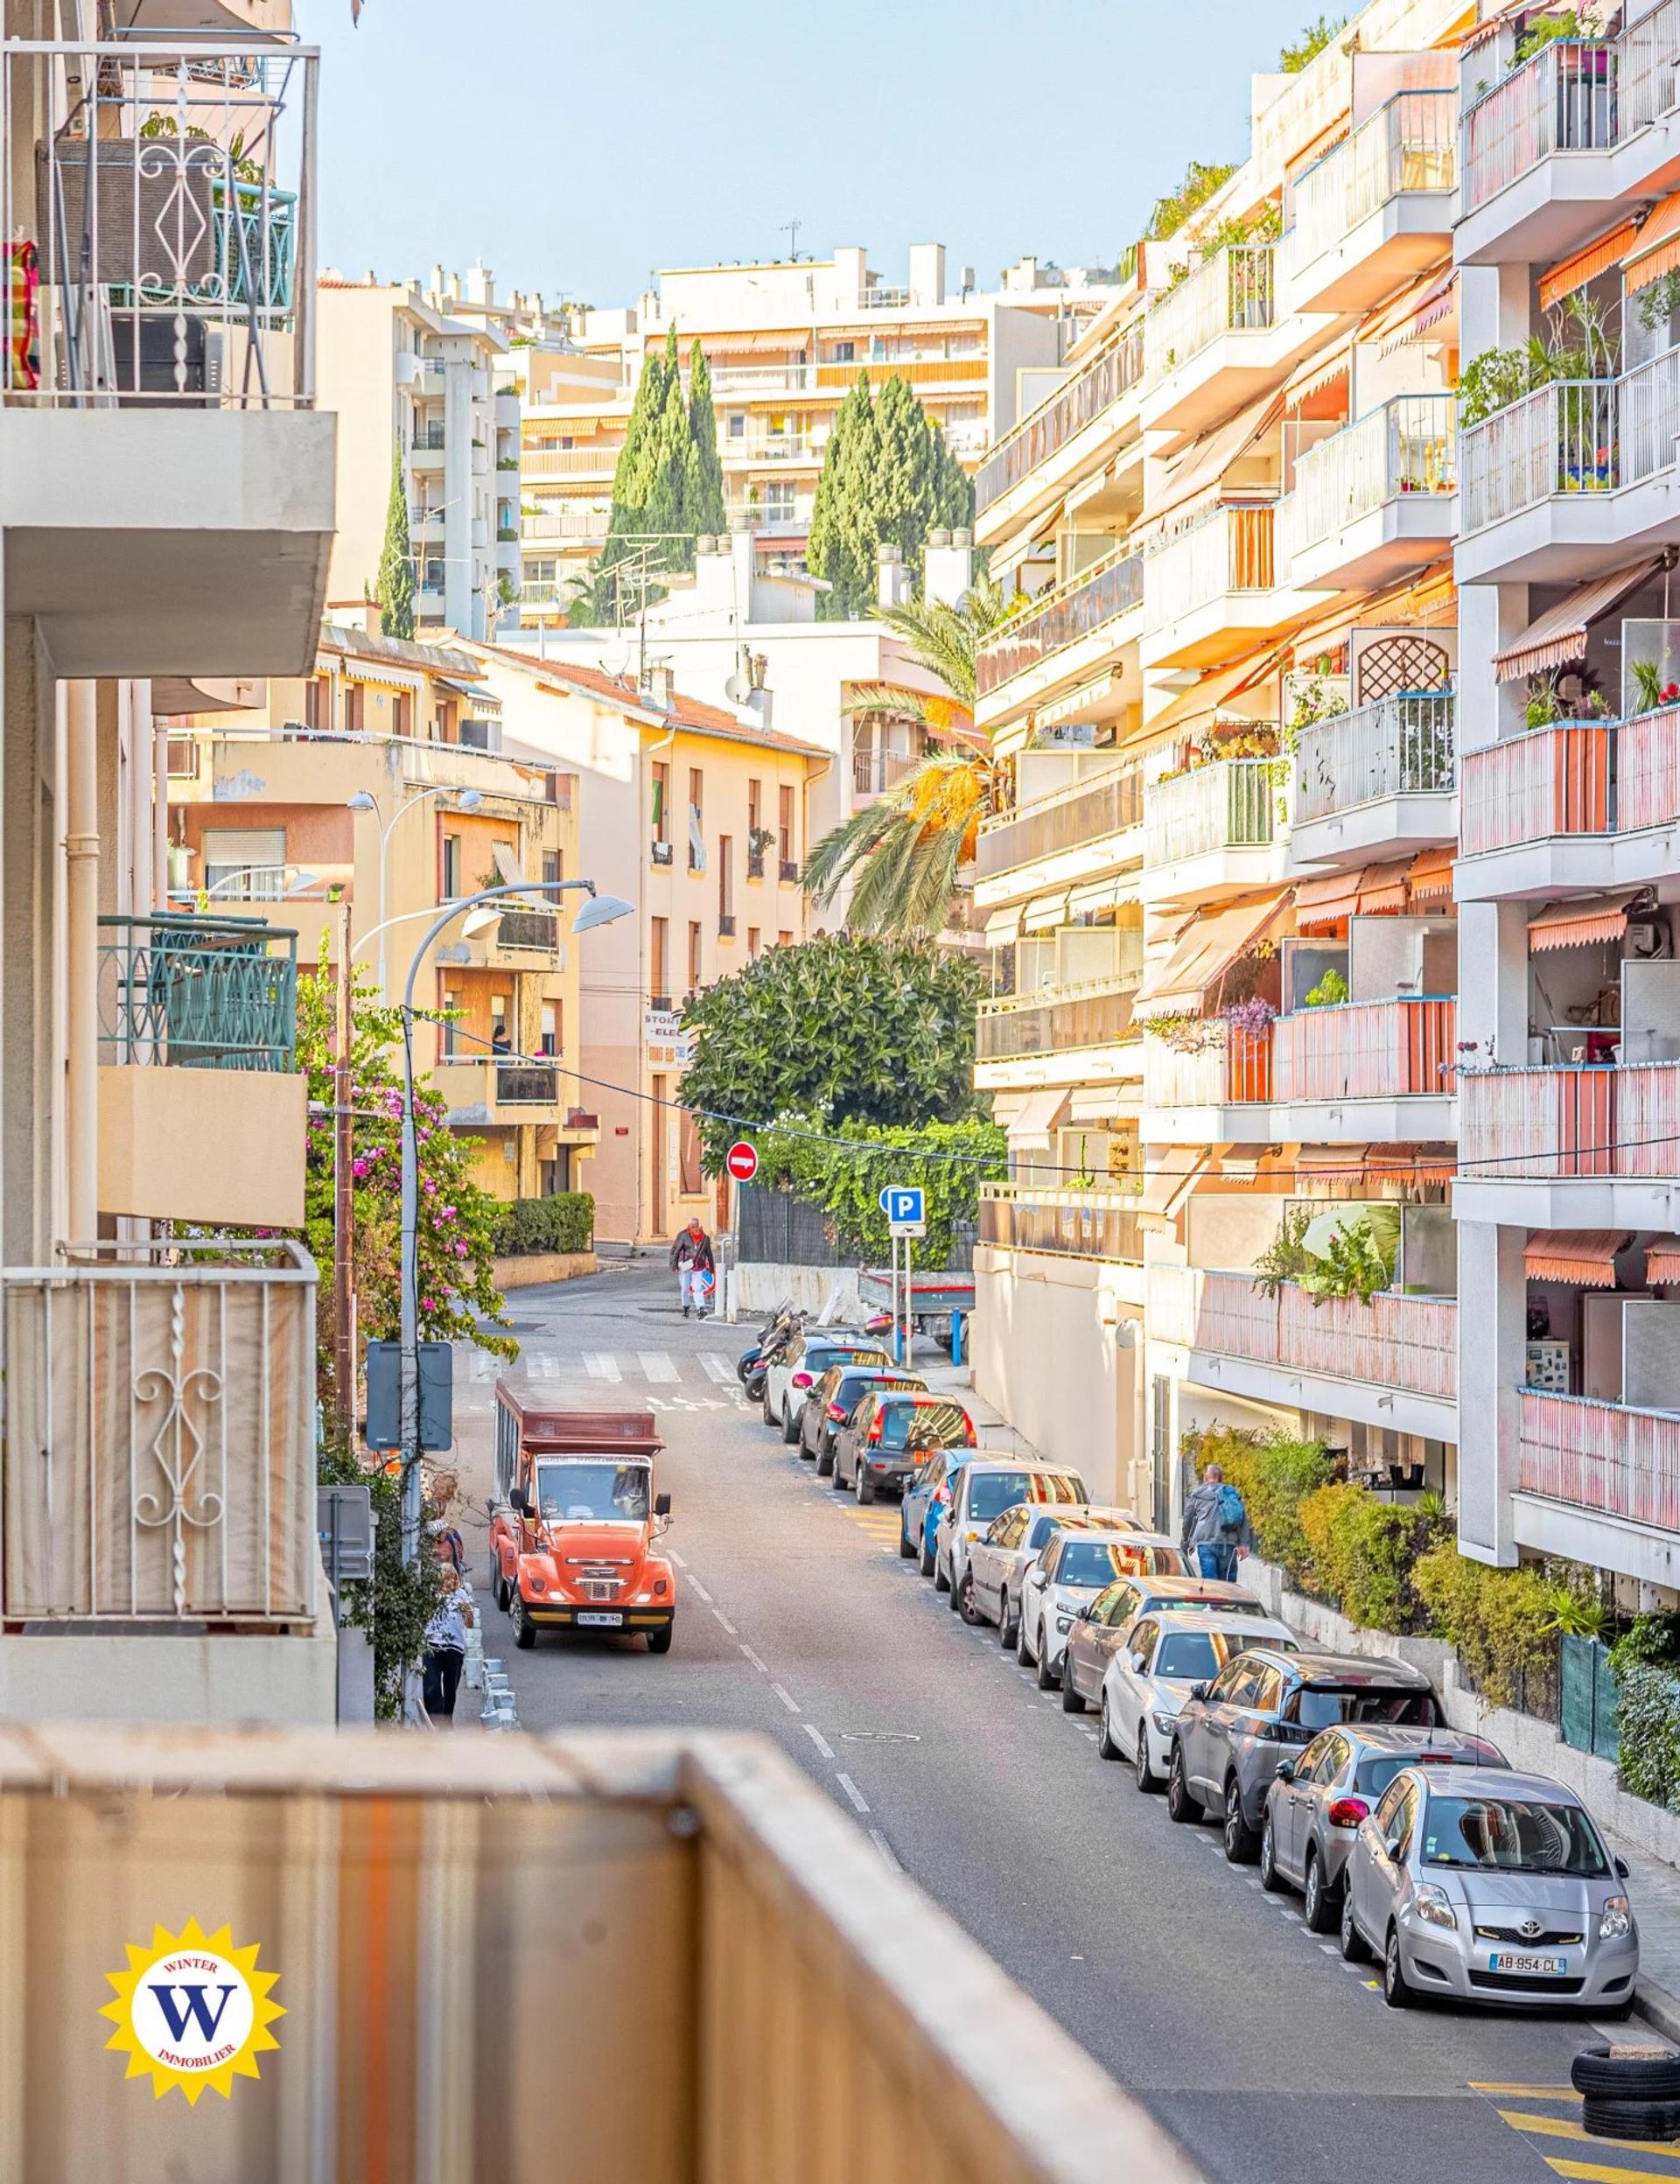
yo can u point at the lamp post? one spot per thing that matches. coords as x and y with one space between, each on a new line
365 799
598 910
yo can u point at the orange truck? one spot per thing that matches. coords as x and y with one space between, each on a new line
575 1523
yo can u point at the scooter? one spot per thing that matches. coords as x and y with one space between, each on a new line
773 1337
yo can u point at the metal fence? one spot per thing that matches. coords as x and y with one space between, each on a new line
197 993
776 1226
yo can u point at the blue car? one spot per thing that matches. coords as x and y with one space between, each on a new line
925 1500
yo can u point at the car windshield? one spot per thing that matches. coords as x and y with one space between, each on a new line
1409 1710
1517 1835
606 1493
1099 1562
818 1360
1197 1655
995 1491
929 1423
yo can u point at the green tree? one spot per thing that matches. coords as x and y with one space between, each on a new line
704 484
669 483
843 1168
1311 43
1200 179
870 1030
631 482
887 477
397 561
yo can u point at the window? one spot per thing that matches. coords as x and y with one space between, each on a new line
1143 1641
694 955
250 860
451 1044
784 824
318 704
845 353
548 1043
402 714
754 806
552 871
737 424
451 867
355 713
661 800
779 505
661 961
752 942
499 1039
1268 1693
784 939
1529 1835
697 820
725 879
1236 1684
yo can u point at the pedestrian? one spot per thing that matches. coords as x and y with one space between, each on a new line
1215 1530
451 1547
692 1264
446 1645
500 1042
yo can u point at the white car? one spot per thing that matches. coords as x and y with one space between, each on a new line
1151 1672
999 1563
803 1363
1072 1570
985 1487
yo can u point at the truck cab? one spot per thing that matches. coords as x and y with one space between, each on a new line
575 1522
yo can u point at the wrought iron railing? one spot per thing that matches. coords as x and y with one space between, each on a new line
538 929
197 993
1399 747
1229 805
1083 399
526 1084
1409 143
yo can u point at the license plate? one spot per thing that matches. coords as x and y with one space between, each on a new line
599 1621
1530 1967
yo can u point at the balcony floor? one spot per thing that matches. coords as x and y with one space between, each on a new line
1591 1536
1394 244
1404 534
1565 864
1062 868
1387 827
1435 1418
1563 200
1571 536
1233 370
1408 1118
1579 1202
1112 647
1225 626
1086 1065
1195 880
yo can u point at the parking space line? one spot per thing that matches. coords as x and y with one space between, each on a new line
1599 2171
819 1740
1565 2127
885 1849
754 1659
725 1621
853 1792
694 1586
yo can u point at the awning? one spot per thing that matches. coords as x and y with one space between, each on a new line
1098 894
1662 1262
1045 911
1657 250
1336 1162
1103 1103
1577 924
1216 691
1328 376
1322 904
1553 639
1430 877
1200 467
720 346
1396 320
1037 1116
1587 263
1165 1188
1383 889
1586 1255
1407 1163
1206 950
381 677
480 693
1002 927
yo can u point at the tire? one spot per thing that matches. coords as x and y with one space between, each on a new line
1625 2078
1007 1627
835 1480
660 1641
1270 1876
1242 1844
1106 1746
862 1488
767 1414
963 1600
1021 1653
925 1560
1607 2119
503 1591
906 1552
1180 1805
1142 1773
524 1629
1322 1905
1049 1679
1071 1701
1396 1992
826 1454
1355 1949
789 1426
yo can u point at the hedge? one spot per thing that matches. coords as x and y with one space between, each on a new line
1648 1729
526 1226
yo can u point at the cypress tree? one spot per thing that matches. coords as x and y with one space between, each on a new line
397 561
705 501
888 476
632 478
843 536
668 483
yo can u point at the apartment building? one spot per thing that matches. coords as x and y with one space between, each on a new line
786 342
166 490
416 385
698 816
353 804
1220 905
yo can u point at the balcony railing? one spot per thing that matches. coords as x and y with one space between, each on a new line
1406 450
1231 292
1551 780
1407 1343
1400 747
875 772
1229 805
1075 1224
534 929
569 462
1228 549
789 447
1234 1067
1098 1014
1090 811
1560 439
763 379
526 1084
563 522
159 1421
1366 1050
197 993
1074 609
1409 145
157 231
1083 399
1601 1456
1596 1119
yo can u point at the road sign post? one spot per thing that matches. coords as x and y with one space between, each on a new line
906 1207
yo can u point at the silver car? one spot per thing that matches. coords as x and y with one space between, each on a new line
1315 1803
1151 1672
999 1562
1490 1887
982 1491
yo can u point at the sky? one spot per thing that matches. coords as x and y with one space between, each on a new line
576 148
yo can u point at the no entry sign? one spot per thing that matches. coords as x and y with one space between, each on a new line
741 1161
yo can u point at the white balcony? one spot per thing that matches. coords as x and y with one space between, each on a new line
1092 826
1600 1482
1213 589
1214 831
1379 782
1374 501
1375 211
750 380
769 450
1062 439
1074 1034
1218 341
1062 639
539 462
566 522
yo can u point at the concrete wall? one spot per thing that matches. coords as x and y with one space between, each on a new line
354 366
93 1675
1045 1357
531 1268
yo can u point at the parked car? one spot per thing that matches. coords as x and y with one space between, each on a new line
802 1364
1489 1888
831 1400
999 1562
1084 1615
1150 1671
1131 1597
882 1441
985 1490
925 1497
1314 1804
1231 1733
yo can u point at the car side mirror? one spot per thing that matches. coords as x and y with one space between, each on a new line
1623 1869
1285 1772
1198 1690
661 1505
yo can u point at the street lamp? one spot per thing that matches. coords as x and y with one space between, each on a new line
598 910
365 799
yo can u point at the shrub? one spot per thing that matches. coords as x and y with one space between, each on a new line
525 1227
1362 1553
1647 1730
1503 1622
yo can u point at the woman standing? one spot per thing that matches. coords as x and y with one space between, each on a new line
446 1646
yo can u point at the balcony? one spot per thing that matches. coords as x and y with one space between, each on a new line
480 1089
1212 590
1377 781
159 1421
1209 344
1069 1224
156 422
1055 445
1062 638
1375 499
1230 1066
201 1106
1376 210
1082 831
1586 1146
1576 806
527 933
750 380
1212 831
787 871
583 524
1602 1460
569 462
874 772
787 447
1057 1031
1370 1050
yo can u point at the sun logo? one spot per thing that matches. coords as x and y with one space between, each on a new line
194 2011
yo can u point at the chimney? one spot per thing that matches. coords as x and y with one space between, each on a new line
947 566
927 274
659 686
851 277
480 283
891 577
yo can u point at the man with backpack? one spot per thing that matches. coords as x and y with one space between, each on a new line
1216 1526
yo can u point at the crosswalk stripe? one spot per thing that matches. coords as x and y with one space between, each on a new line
717 1368
601 1365
657 1365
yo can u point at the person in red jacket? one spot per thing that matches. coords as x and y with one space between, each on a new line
692 1264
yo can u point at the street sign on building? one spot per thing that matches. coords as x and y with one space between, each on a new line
741 1161
669 1045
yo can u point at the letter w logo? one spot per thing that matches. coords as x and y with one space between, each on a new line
198 2009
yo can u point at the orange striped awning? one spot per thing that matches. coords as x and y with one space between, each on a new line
1430 877
1578 924
1553 639
1167 1186
1382 888
1587 264
1324 906
1410 1164
1662 1262
1586 1255
1657 251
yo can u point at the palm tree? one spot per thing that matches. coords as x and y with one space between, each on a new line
903 853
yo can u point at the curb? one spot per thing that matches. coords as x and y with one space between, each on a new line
1658 2007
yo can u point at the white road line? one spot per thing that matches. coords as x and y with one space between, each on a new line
601 1365
719 1369
786 1697
725 1621
682 1561
1330 1948
754 1659
852 1791
694 1586
657 1365
885 1849
819 1740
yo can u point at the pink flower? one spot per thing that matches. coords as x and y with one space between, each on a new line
460 1251
359 1168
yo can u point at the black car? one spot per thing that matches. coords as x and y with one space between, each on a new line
886 1437
835 1396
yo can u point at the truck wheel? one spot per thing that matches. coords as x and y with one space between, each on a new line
524 1629
660 1641
504 1591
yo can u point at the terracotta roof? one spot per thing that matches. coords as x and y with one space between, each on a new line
691 713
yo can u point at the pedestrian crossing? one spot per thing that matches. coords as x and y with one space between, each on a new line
706 1375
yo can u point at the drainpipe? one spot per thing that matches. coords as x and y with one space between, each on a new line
644 968
81 961
159 819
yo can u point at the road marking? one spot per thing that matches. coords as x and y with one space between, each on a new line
786 1697
1598 2172
852 1791
718 1368
885 1849
819 1740
1330 1948
725 1621
601 1365
657 1365
680 1560
1527 2092
1560 2127
754 1659
694 1586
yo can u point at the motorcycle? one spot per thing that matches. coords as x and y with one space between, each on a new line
773 1337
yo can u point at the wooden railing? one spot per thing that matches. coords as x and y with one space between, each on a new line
1601 1456
1408 1343
1364 1050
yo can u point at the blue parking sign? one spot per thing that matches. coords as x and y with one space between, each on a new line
903 1202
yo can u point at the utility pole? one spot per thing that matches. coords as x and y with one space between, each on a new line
344 1344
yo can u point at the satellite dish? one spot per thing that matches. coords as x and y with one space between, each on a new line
738 690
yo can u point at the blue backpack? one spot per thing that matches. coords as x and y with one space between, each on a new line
1232 1515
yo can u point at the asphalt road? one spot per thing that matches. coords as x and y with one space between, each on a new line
1249 2037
